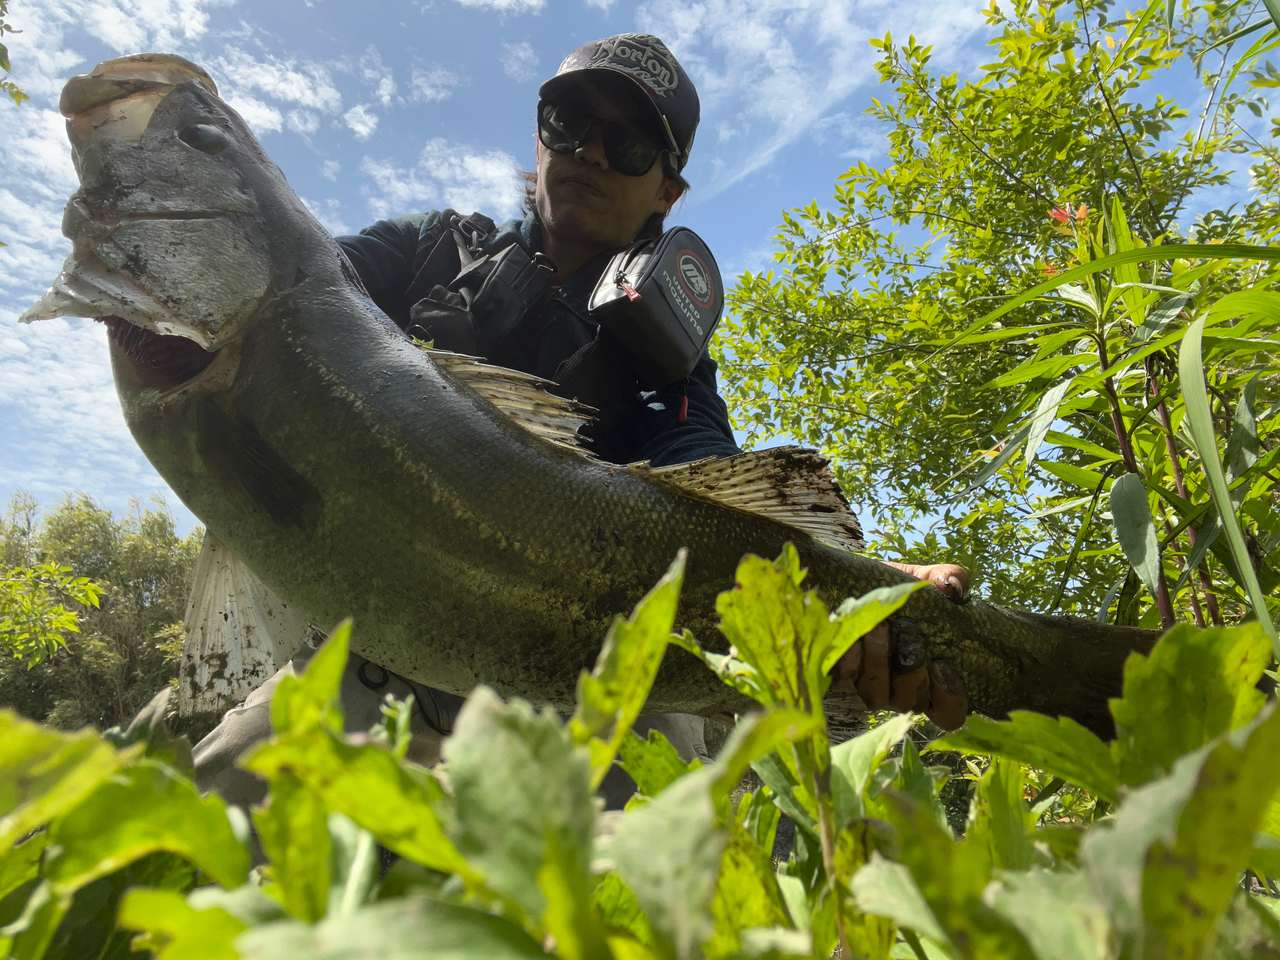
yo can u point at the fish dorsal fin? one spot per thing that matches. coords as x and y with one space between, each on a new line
792 485
239 633
524 398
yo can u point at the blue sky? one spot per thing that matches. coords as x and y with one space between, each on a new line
382 107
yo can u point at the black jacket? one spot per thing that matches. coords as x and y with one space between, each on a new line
391 258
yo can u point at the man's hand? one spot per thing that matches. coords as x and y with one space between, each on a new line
934 688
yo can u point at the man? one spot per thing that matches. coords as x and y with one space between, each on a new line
615 126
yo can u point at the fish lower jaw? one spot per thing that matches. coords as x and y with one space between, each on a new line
164 365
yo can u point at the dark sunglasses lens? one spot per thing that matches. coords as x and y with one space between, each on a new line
628 152
564 126
561 127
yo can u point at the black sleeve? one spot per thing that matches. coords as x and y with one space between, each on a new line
705 432
387 256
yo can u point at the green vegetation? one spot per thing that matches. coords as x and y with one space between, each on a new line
1051 445
91 609
1031 339
105 846
7 86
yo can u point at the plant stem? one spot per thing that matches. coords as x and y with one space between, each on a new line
1162 414
1163 602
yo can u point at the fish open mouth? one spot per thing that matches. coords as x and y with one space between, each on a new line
160 362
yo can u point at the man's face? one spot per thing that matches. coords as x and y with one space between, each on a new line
582 201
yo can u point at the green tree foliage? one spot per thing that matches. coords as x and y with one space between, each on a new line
503 853
126 643
996 443
34 622
6 85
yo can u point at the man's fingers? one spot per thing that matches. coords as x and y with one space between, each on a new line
952 579
910 691
948 701
873 683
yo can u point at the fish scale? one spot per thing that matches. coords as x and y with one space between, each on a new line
359 475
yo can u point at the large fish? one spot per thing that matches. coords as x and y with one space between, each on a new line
441 502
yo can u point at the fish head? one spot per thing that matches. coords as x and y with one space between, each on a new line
181 229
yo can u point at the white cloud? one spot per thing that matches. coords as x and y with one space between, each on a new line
377 75
433 83
505 6
605 5
304 83
60 421
127 26
261 117
519 62
330 169
361 120
303 121
445 175
770 71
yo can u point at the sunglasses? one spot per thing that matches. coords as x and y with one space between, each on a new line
565 125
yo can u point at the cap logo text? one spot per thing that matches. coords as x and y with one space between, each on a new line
646 59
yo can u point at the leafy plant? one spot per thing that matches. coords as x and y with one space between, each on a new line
6 85
1013 440
128 640
33 618
503 853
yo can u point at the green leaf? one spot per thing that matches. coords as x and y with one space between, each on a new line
1135 529
44 773
1046 413
150 728
1167 865
754 737
1242 444
294 831
853 762
668 852
774 627
652 762
886 889
1069 473
21 863
1011 446
617 907
857 616
524 793
1188 884
1158 318
1056 745
867 935
613 694
302 703
402 929
1173 251
367 784
1200 424
178 931
28 937
141 810
746 895
1001 824
1056 911
1195 685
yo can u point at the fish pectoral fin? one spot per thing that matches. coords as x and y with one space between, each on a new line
239 633
524 398
792 485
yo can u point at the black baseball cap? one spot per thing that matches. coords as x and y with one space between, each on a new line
643 60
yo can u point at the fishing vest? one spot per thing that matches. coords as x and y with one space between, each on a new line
498 302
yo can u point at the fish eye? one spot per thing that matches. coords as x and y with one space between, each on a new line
204 137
